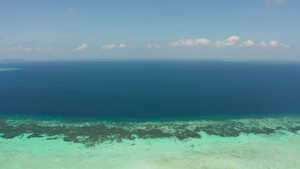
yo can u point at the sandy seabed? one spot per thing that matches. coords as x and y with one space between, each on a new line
278 147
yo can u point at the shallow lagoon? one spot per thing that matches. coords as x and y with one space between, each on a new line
248 142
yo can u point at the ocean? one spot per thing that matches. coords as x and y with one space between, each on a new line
149 89
149 114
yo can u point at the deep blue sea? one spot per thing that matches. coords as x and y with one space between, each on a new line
143 89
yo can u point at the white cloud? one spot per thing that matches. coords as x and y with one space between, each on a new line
174 44
276 1
121 45
190 43
187 42
272 44
82 47
26 49
248 43
15 48
111 46
231 41
203 42
155 45
263 44
183 43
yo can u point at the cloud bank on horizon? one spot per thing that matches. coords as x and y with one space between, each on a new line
27 49
232 41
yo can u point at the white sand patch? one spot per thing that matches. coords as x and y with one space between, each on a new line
276 151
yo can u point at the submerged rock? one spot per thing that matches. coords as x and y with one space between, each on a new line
97 132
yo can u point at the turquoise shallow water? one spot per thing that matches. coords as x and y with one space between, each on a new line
214 143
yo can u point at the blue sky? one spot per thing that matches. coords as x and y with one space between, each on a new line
156 29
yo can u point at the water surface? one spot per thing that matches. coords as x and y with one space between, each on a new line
150 89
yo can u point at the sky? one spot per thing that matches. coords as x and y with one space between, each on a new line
156 29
